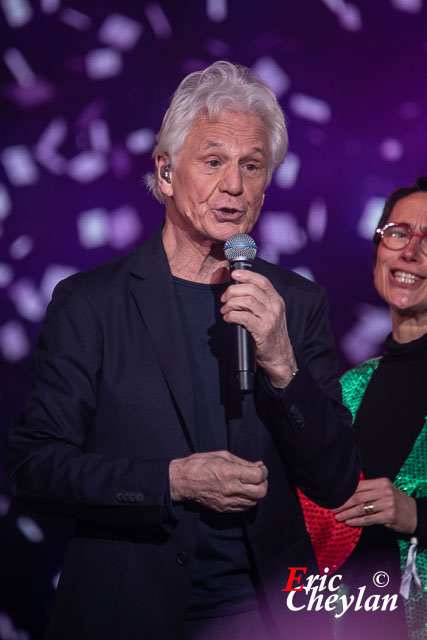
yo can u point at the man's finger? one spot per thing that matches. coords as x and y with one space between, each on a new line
254 474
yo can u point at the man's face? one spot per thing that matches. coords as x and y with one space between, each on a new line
218 183
401 276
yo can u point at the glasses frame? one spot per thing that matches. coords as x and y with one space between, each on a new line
381 230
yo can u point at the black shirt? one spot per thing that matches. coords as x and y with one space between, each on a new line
392 413
221 582
393 409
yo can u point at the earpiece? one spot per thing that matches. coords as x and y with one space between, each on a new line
165 173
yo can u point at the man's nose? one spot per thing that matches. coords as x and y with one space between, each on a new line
231 181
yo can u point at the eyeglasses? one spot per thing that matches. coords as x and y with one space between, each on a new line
396 236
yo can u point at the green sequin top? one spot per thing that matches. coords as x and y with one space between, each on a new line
412 479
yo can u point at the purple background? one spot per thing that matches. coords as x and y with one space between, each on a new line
83 90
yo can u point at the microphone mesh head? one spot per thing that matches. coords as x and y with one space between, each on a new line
240 246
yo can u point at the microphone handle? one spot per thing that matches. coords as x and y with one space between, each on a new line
244 348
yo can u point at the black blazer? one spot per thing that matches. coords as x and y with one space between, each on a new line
112 404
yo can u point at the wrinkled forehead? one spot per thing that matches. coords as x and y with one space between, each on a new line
229 126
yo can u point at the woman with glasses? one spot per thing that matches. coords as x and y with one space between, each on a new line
388 399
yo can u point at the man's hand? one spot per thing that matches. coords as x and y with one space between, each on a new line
255 304
385 504
218 480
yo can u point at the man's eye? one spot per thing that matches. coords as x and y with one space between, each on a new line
251 167
213 163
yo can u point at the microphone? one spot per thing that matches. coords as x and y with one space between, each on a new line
240 250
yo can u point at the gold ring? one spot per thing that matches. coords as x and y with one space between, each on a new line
368 508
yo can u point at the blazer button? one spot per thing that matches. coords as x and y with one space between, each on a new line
182 559
140 497
119 497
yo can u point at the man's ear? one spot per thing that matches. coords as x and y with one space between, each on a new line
164 174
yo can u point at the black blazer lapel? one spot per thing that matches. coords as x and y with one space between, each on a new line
154 294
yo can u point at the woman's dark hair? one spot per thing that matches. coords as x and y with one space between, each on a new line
419 185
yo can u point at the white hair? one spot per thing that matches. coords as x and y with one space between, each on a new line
221 86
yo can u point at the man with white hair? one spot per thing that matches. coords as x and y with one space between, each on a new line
184 488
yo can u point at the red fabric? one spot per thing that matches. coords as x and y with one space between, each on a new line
332 541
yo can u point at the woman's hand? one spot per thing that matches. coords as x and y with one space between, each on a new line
378 501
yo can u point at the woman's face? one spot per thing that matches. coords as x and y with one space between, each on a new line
400 277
